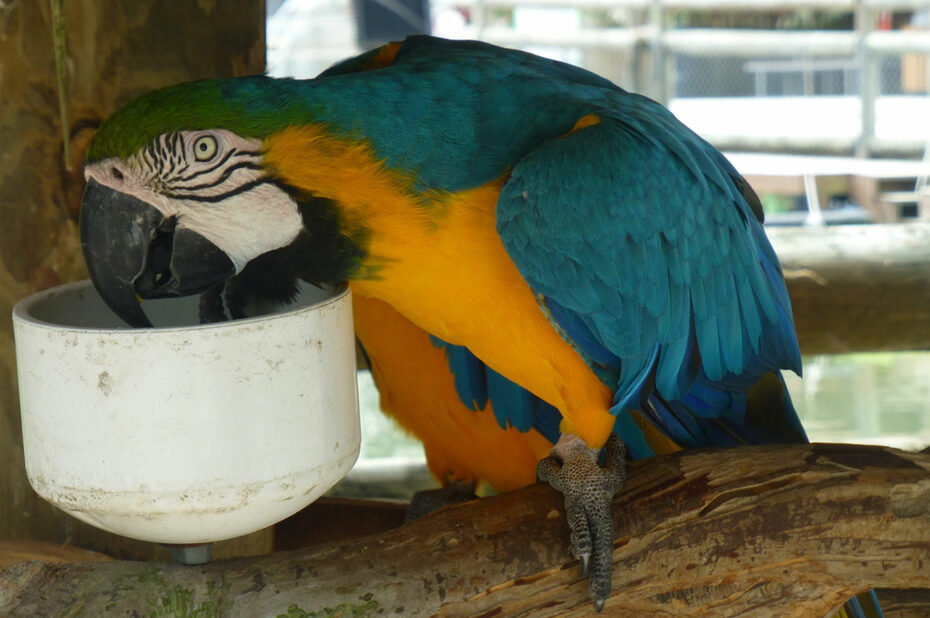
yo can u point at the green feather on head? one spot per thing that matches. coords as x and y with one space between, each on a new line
254 106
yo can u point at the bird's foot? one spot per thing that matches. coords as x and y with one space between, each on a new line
211 306
234 298
215 302
428 500
588 490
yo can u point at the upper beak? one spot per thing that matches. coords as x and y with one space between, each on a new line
133 251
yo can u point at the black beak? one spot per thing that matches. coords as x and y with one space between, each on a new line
135 252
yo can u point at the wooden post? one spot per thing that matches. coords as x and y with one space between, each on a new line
115 50
857 288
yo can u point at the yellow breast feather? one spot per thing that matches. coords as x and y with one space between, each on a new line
442 265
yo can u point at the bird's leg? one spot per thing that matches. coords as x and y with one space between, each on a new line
215 301
211 306
426 501
235 299
588 490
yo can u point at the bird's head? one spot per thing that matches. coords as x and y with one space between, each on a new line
179 194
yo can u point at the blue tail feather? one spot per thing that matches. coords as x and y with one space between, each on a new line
865 605
477 384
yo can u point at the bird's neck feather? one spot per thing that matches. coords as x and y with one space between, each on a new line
342 187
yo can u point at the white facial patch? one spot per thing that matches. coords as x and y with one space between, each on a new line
214 183
245 225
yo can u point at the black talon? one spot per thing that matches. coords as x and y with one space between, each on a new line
211 306
585 561
235 299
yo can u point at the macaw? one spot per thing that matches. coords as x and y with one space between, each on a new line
540 261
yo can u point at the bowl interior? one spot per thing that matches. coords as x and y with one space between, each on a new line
78 305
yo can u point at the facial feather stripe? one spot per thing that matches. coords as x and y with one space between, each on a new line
169 165
214 183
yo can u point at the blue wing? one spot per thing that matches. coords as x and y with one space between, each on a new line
637 237
639 241
477 384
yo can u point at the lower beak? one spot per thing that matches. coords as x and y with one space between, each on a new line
133 251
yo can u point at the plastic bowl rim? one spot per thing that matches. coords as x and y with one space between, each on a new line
21 312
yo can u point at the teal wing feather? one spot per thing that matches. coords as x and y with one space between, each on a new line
637 239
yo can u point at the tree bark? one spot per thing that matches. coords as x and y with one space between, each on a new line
788 531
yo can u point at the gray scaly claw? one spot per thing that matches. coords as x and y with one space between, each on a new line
588 490
585 563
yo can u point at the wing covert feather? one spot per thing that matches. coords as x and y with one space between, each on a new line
638 230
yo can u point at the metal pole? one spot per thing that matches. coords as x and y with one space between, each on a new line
660 88
868 78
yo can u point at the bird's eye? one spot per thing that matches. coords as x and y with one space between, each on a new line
205 148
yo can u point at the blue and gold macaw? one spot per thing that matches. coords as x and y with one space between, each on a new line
537 257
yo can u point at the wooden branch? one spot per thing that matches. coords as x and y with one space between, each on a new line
905 603
858 288
790 531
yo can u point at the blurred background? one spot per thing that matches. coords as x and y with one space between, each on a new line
812 75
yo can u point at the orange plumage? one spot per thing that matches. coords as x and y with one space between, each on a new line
417 389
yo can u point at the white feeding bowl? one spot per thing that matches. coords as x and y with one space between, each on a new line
185 433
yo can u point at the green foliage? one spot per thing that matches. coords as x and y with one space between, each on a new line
149 576
343 610
180 602
772 203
